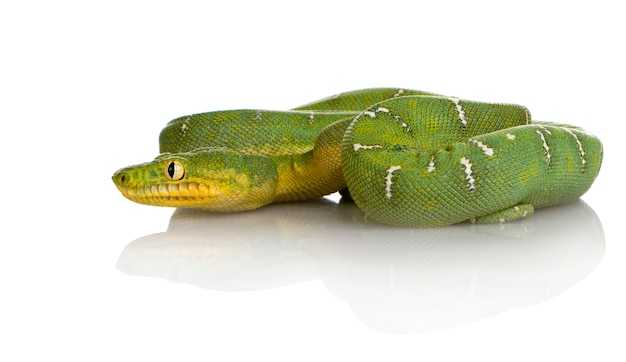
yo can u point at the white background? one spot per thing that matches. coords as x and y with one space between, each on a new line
86 87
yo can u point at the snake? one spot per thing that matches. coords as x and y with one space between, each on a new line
405 157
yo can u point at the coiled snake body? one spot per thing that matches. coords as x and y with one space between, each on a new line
407 157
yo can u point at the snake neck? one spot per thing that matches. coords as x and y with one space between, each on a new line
320 178
319 169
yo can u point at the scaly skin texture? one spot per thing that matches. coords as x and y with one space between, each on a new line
449 161
409 158
295 155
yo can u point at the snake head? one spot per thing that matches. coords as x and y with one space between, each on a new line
214 179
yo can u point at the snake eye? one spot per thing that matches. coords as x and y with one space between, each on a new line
175 171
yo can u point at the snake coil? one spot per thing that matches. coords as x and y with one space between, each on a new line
407 157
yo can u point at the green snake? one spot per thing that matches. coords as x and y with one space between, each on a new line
406 157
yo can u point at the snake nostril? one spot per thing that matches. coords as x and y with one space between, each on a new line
123 178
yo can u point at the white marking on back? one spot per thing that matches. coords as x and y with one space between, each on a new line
257 116
403 123
358 147
389 180
398 93
545 146
460 110
185 125
583 158
311 117
544 129
468 174
527 115
486 149
431 165
379 110
510 136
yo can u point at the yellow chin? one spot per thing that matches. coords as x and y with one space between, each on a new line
182 194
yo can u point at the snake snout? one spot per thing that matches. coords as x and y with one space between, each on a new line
124 180
120 178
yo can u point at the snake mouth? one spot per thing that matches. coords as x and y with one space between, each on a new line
176 194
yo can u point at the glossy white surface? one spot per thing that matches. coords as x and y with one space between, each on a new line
394 280
87 275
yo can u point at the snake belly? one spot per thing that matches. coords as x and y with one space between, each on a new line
408 158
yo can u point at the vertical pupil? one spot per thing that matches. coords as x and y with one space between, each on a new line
170 169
